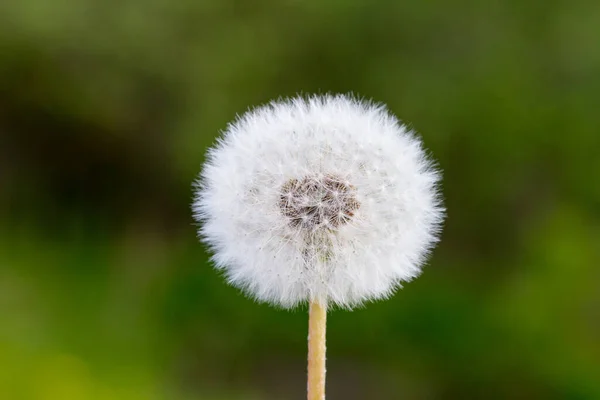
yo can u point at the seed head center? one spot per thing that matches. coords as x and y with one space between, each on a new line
318 202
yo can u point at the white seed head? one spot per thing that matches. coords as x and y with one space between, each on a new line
324 199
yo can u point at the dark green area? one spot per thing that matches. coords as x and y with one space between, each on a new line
107 108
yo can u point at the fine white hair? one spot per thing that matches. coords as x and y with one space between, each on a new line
322 198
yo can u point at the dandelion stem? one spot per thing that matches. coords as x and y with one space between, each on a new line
317 322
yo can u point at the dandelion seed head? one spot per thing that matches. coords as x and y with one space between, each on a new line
324 198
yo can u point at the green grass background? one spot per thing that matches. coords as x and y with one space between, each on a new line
107 108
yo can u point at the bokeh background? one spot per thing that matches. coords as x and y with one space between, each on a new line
106 111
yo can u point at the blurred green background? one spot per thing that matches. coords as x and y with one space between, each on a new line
106 111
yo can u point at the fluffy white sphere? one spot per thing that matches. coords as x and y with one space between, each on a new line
324 199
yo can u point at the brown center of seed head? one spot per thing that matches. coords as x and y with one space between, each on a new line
318 202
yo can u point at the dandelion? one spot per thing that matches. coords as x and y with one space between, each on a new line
325 200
